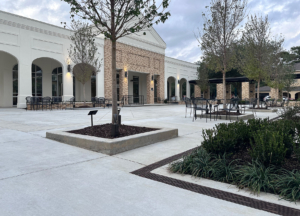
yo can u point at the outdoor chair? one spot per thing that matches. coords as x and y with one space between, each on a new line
101 101
246 104
200 105
213 106
28 103
71 101
232 106
188 105
36 102
57 102
94 101
46 102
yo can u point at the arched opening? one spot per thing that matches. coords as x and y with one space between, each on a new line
192 90
171 88
46 77
297 96
8 80
37 81
183 89
57 82
84 82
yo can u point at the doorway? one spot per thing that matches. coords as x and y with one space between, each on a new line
136 86
155 91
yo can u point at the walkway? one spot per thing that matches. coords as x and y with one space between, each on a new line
43 177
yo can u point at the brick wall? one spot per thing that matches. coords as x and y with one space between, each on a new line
134 59
197 92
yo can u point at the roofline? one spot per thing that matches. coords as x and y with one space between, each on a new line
16 15
182 61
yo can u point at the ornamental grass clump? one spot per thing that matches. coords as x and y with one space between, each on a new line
257 177
225 170
288 185
199 163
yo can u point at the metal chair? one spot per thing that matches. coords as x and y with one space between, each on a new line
214 106
46 101
188 105
200 105
57 100
28 103
71 101
94 101
36 102
232 106
246 104
101 101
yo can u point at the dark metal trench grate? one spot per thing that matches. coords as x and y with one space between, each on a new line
219 194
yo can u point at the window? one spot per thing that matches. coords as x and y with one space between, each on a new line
37 81
57 83
15 85
93 86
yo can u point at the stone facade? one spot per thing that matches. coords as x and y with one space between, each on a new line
197 92
134 59
274 93
220 91
248 90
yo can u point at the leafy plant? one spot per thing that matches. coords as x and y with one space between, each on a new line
256 177
225 170
268 147
289 185
199 163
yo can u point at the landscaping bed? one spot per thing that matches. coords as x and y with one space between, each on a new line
226 113
104 131
259 155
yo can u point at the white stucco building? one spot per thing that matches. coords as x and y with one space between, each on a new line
34 62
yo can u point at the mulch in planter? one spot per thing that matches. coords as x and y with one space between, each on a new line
244 158
104 131
224 113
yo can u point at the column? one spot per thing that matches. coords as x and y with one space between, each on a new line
177 86
123 84
219 91
197 91
228 91
274 93
160 87
100 84
67 84
245 90
150 89
24 83
188 89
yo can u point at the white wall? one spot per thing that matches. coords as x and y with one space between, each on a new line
28 40
7 62
179 69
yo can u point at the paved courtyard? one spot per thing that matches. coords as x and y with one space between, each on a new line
44 177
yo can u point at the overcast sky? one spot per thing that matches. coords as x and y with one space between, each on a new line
178 31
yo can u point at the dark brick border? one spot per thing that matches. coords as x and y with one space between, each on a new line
219 194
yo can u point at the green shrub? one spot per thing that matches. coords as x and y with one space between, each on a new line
256 177
288 185
268 147
224 170
198 163
225 137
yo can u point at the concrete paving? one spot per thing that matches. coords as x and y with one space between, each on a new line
44 177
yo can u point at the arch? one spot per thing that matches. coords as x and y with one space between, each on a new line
84 82
183 88
171 85
297 95
57 82
43 77
8 79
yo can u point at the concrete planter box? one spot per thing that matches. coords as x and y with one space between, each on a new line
113 146
233 117
263 110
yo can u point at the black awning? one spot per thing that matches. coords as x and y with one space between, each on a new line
228 80
232 79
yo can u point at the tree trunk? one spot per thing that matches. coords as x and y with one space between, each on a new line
84 93
224 90
114 79
258 86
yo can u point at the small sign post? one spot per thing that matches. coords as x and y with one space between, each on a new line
91 113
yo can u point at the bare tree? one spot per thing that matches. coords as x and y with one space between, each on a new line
219 35
83 53
118 18
258 57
